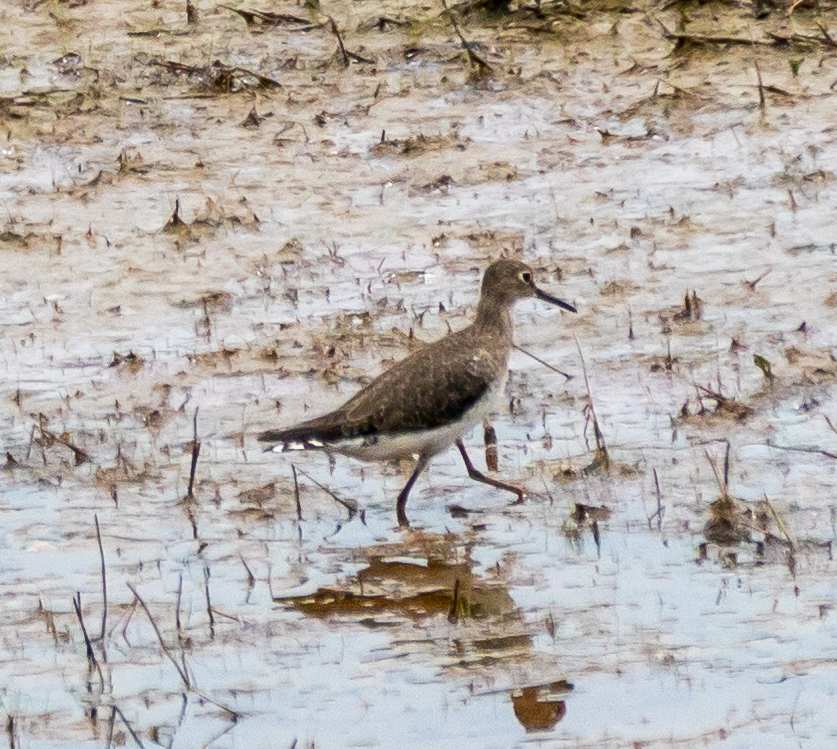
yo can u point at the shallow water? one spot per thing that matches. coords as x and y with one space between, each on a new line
647 627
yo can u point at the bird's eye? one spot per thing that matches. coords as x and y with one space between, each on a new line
526 277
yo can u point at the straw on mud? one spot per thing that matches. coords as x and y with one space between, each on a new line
104 585
184 676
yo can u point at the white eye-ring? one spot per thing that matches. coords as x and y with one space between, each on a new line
526 276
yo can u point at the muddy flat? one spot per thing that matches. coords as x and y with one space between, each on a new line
220 219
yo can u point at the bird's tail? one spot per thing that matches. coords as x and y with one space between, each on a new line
305 436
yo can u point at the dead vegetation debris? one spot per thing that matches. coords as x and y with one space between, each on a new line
216 301
48 438
223 357
27 239
537 708
393 588
724 406
207 223
733 522
417 145
130 361
218 78
261 19
478 68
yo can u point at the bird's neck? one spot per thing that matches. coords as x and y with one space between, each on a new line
494 319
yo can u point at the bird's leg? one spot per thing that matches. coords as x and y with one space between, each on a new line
401 502
482 478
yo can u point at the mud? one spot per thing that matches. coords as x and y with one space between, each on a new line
218 222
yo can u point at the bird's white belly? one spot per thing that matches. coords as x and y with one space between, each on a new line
428 442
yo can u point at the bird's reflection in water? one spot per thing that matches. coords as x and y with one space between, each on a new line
406 581
537 709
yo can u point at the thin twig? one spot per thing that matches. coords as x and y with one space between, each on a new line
483 68
660 509
541 361
104 584
761 85
251 578
81 456
813 450
548 493
722 487
791 554
453 612
829 40
196 450
601 448
208 603
177 626
296 495
184 676
779 523
91 656
10 731
336 32
111 723
726 466
128 726
349 504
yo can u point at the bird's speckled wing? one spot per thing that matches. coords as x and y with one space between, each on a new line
431 388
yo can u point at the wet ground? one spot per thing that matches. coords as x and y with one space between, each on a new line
230 222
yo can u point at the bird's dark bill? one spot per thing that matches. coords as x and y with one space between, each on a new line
554 300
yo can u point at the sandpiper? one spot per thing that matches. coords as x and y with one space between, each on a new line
434 397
